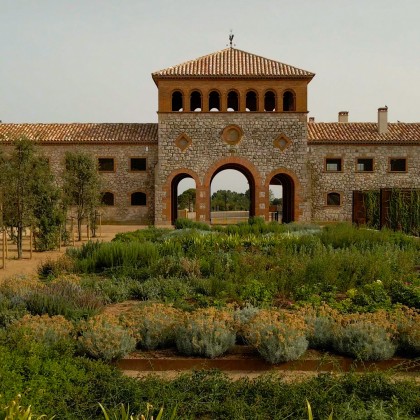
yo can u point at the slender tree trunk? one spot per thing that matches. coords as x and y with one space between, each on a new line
79 228
19 240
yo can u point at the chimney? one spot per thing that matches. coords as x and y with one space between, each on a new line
383 120
311 119
343 116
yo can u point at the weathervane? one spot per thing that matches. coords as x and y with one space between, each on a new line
231 39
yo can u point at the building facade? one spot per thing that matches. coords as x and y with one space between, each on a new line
235 110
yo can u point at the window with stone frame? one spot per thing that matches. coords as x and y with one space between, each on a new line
397 165
333 199
364 165
138 199
333 164
106 164
138 164
107 198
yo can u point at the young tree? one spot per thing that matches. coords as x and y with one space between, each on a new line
186 200
81 185
28 191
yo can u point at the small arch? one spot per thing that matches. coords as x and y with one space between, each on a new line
107 198
251 102
269 101
334 199
214 101
138 199
233 101
289 101
177 101
195 101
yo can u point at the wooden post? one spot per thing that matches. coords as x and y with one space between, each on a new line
30 243
87 229
4 248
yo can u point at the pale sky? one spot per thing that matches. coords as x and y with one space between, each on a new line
91 60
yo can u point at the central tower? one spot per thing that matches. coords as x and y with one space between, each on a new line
232 110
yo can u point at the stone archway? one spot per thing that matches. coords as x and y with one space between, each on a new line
291 193
253 177
171 189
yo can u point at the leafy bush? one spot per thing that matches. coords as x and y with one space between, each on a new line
54 267
407 321
53 332
11 309
206 332
242 318
164 289
370 336
279 336
63 297
152 326
191 224
101 337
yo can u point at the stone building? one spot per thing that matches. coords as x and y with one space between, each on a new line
236 110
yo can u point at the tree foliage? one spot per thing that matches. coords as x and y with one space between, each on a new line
186 200
227 200
81 186
29 196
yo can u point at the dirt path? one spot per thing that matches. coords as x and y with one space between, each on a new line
29 266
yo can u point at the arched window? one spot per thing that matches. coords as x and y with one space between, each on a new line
214 101
333 199
177 101
251 101
288 101
107 199
269 101
138 199
233 101
195 101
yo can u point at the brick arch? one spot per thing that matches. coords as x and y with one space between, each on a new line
248 170
295 192
169 187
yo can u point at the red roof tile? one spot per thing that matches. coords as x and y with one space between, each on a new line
82 133
366 133
231 62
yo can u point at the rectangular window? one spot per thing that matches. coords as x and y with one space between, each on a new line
333 165
138 164
397 165
365 165
106 165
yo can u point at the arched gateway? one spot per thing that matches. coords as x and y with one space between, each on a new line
251 132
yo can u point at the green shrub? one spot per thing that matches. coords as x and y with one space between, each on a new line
164 289
279 336
206 332
63 297
370 336
190 224
11 309
101 337
52 332
152 326
407 321
54 267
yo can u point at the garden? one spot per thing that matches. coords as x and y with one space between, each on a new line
200 291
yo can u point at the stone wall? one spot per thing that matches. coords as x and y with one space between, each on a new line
208 152
348 180
121 182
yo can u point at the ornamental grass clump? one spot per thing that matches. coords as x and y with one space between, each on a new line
279 336
368 336
152 326
50 331
101 337
322 325
407 321
206 332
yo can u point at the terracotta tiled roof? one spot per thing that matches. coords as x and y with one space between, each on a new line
82 132
231 62
366 133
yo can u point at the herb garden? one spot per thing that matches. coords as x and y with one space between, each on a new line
281 289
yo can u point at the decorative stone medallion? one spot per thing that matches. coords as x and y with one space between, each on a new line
183 142
282 142
232 134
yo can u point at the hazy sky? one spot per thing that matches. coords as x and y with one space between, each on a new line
91 60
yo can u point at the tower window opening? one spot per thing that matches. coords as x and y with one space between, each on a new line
177 99
251 101
269 101
288 101
233 101
195 101
214 101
